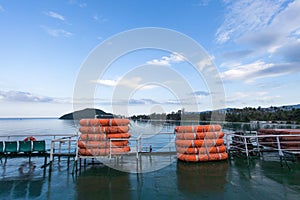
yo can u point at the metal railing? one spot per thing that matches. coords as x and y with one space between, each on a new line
253 143
67 146
139 145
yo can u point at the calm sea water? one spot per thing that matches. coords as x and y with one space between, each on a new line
232 179
36 126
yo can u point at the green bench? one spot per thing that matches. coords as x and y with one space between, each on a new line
1 150
11 147
22 148
25 146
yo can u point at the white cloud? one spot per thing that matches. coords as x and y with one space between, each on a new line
274 44
82 5
110 83
99 18
133 83
56 32
230 64
95 17
259 69
247 15
20 96
203 3
167 60
251 97
205 63
55 15
77 3
280 32
274 48
1 8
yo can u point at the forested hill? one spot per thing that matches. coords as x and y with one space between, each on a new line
289 114
264 114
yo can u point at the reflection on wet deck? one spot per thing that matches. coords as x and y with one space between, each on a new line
232 179
146 162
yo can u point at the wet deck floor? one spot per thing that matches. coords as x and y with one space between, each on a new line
232 179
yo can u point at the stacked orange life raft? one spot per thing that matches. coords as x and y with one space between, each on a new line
200 143
286 141
96 134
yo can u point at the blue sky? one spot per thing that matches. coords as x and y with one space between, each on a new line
255 45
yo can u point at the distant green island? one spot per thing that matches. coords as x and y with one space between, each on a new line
287 114
87 113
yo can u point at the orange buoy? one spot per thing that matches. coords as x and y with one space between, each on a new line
201 150
30 138
104 122
200 128
101 136
104 129
199 143
103 152
202 157
199 135
102 144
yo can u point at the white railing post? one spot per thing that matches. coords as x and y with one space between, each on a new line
69 146
278 146
140 144
246 146
137 148
52 150
76 150
227 141
59 147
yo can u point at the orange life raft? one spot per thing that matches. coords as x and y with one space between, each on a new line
104 129
199 143
96 134
199 135
201 150
102 144
104 122
103 152
202 157
282 132
200 128
101 137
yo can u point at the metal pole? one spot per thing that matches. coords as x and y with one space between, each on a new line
51 151
140 145
69 147
227 141
51 156
59 150
136 147
257 143
246 146
109 148
278 146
